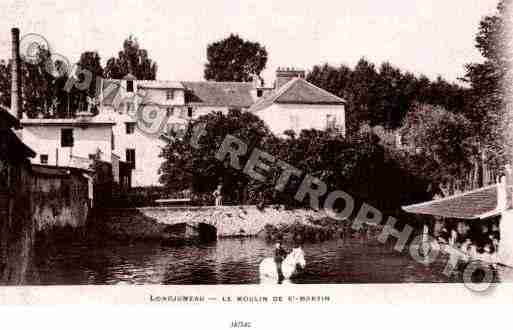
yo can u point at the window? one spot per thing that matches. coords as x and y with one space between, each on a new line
331 122
130 128
260 93
129 85
170 94
189 112
130 157
43 159
129 108
170 112
294 122
67 137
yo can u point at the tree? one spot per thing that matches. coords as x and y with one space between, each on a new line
334 80
90 60
364 80
444 137
42 84
234 59
489 81
388 93
384 96
5 83
185 167
132 60
337 81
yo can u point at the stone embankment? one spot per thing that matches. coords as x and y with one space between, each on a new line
230 221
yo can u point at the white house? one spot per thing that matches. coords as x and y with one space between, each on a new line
125 102
60 142
128 103
292 103
295 104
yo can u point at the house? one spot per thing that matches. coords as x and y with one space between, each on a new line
84 143
126 102
58 141
143 111
475 215
295 104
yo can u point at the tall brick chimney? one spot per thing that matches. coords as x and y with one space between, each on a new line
16 109
284 75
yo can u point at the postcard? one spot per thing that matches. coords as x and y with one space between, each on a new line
256 153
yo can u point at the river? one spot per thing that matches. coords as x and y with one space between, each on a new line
227 261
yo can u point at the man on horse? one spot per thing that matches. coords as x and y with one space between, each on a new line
279 255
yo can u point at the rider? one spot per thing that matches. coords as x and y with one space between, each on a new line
279 256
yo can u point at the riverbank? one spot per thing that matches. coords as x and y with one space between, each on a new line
152 223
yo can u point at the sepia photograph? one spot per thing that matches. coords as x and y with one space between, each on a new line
262 143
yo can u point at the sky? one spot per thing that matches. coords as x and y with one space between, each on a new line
433 37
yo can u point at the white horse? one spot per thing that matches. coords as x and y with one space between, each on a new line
289 266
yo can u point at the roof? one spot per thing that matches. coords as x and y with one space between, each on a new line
219 94
111 87
59 171
297 91
12 147
96 121
7 118
475 204
159 84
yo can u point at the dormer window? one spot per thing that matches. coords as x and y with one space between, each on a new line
170 94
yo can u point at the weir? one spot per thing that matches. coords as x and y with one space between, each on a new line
229 221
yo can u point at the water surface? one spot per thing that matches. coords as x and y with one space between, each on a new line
227 261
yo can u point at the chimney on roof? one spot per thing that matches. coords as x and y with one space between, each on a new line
16 109
284 75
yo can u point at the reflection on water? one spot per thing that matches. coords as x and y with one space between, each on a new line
227 261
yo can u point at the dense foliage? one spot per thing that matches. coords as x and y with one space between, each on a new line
361 166
234 59
44 82
490 82
185 166
448 139
383 96
91 61
132 59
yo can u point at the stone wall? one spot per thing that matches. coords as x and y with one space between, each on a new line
17 229
59 201
40 200
147 222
